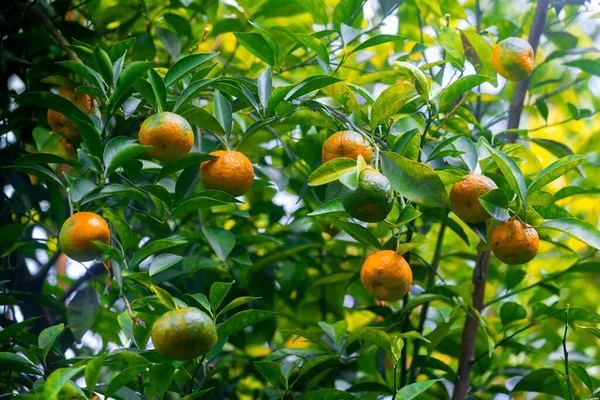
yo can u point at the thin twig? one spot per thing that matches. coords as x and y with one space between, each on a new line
564 344
541 282
53 31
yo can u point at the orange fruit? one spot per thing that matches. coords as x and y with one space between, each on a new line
515 243
386 275
79 231
61 124
373 198
169 134
464 198
513 58
232 172
184 334
346 144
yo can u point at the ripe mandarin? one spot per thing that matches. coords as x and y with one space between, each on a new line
79 231
386 275
169 134
232 172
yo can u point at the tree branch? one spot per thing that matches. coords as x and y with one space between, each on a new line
469 335
52 30
516 104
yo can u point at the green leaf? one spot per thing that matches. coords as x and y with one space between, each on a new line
170 41
308 85
138 334
592 67
127 78
574 191
57 380
390 101
555 171
416 241
314 44
334 207
583 375
45 174
315 362
495 203
256 45
240 301
369 335
164 297
154 247
270 370
124 377
194 204
327 394
423 85
412 391
92 372
120 150
265 87
361 234
479 53
190 160
158 88
201 299
119 49
591 329
336 332
160 377
511 311
459 87
82 310
47 338
186 65
545 380
270 39
220 240
223 113
17 363
201 118
511 172
218 291
242 320
415 181
191 91
60 81
577 229
104 64
452 44
331 171
163 262
408 213
89 133
376 41
85 72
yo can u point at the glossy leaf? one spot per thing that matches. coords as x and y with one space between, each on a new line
495 203
376 41
415 181
423 85
218 291
127 78
460 87
191 91
185 66
361 235
390 101
413 391
242 320
57 380
511 172
577 229
331 171
257 46
163 262
220 240
555 171
120 150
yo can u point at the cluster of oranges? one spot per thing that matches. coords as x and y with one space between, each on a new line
187 333
512 241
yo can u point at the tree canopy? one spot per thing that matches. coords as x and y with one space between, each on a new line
269 248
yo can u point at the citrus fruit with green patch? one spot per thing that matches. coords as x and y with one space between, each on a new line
373 198
78 233
184 334
64 126
386 275
169 134
513 58
464 198
514 243
232 172
347 144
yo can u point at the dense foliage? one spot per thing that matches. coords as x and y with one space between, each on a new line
278 269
